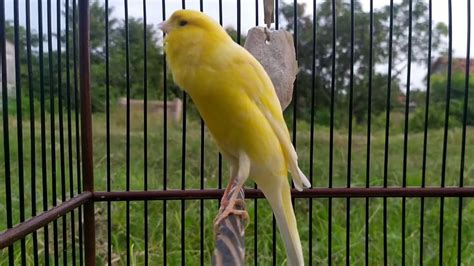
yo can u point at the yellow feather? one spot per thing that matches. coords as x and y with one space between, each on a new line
238 104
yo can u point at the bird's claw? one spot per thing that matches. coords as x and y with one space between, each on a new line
229 207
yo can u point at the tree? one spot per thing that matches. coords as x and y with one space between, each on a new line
323 52
458 87
136 57
22 33
97 26
117 57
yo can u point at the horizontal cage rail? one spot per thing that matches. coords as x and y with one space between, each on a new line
373 192
21 230
367 101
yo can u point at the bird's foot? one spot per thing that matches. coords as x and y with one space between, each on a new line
228 207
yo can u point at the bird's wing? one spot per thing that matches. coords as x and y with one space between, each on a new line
259 88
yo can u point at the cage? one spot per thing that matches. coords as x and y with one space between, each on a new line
381 118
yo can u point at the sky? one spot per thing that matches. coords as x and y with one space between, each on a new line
248 8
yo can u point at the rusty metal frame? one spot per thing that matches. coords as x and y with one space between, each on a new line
193 194
86 130
89 197
23 229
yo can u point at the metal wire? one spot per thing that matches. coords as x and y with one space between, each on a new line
165 140
78 142
127 71
107 132
349 142
69 133
183 169
145 130
405 135
446 127
277 15
369 128
21 185
255 201
201 185
61 130
463 141
387 134
52 129
295 85
331 127
219 170
425 132
6 138
32 128
277 10
60 67
311 141
43 130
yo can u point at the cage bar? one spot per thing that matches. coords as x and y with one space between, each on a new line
369 130
405 133
86 131
57 140
463 138
425 132
107 129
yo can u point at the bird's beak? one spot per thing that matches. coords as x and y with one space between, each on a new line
164 26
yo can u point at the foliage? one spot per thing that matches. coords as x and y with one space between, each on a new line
117 48
323 53
156 160
437 108
117 59
119 82
458 89
435 118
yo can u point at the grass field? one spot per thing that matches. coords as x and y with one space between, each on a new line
264 228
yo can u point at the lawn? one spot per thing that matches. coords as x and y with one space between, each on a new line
155 162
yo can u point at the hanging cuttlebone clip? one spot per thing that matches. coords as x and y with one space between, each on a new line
269 14
276 52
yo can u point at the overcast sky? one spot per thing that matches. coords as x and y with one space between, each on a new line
154 14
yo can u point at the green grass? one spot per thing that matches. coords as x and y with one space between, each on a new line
264 233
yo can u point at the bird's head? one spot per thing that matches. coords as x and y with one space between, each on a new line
185 24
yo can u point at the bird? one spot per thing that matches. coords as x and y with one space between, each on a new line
238 103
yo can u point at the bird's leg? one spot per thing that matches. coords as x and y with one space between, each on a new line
234 170
224 200
232 205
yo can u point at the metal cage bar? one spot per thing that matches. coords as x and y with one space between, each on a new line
387 134
6 139
107 125
463 141
425 133
369 128
54 73
86 131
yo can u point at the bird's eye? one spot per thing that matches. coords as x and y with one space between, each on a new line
183 23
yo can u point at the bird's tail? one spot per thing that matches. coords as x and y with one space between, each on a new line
280 201
299 179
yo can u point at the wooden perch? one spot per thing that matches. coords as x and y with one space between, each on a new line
230 241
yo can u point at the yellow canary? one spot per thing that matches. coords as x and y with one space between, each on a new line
238 103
